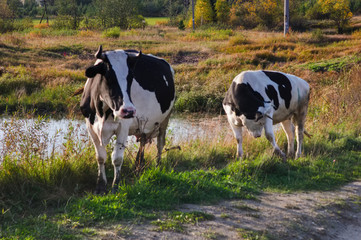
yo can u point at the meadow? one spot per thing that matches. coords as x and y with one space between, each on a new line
51 197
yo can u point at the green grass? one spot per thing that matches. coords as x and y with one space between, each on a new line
152 21
53 195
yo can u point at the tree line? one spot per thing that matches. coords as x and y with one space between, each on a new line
125 14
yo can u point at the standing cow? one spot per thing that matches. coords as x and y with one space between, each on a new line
260 99
127 93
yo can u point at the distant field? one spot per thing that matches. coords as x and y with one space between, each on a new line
152 21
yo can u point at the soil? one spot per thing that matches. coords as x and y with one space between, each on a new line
303 215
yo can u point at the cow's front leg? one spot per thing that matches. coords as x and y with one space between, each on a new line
101 156
237 130
271 138
118 157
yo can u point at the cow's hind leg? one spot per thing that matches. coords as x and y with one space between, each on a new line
161 138
299 121
290 133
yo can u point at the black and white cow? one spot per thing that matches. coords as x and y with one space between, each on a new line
260 99
127 93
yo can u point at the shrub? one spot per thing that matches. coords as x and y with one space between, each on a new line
6 25
90 24
137 21
23 24
112 32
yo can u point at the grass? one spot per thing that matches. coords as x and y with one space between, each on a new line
153 21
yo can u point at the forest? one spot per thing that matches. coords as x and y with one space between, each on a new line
124 14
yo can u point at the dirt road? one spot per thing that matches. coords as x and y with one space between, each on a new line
307 215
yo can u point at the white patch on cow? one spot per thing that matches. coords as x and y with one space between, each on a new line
165 80
118 60
148 109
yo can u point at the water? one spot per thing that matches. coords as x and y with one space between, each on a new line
49 136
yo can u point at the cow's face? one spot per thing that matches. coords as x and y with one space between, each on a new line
116 78
255 122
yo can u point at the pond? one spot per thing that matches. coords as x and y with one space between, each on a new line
50 136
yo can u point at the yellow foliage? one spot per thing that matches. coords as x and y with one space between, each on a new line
338 10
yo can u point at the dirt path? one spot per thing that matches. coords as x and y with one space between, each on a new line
308 215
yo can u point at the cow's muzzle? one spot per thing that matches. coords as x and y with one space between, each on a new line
127 113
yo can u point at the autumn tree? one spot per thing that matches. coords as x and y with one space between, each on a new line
339 12
222 11
203 13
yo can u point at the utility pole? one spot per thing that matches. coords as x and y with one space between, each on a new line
287 17
193 25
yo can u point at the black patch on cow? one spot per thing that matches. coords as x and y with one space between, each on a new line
243 100
155 75
284 85
108 113
273 96
90 98
113 89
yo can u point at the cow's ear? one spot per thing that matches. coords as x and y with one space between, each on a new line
99 54
100 68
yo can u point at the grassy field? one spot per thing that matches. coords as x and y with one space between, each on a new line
50 197
152 21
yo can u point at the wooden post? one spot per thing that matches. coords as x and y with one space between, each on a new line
193 25
286 17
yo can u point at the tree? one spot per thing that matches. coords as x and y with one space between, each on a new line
338 11
30 8
222 11
115 13
16 8
203 13
69 13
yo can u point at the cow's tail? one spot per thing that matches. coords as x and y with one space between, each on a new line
307 134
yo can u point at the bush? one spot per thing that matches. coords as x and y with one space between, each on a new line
112 32
23 24
90 24
137 21
6 26
65 22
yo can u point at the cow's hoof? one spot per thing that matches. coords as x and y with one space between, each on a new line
100 190
280 154
114 189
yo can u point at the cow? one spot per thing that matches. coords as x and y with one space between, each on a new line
260 99
126 93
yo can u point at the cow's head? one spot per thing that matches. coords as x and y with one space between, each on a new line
115 71
254 122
